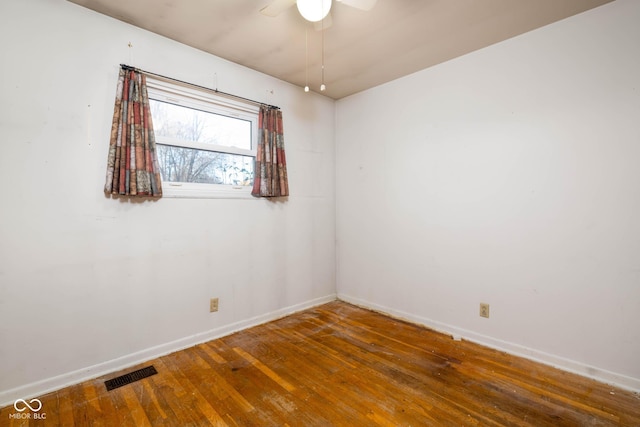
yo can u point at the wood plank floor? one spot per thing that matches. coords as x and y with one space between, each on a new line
339 365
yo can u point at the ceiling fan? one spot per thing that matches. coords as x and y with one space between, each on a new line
316 11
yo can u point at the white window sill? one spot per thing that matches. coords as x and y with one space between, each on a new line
205 191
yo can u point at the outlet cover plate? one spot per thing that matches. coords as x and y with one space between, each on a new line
484 310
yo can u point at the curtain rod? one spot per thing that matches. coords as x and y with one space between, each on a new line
129 67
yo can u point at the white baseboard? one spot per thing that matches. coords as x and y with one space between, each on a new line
601 375
48 385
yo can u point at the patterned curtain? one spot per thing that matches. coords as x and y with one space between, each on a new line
271 165
132 167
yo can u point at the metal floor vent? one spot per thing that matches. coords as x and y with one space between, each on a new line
130 377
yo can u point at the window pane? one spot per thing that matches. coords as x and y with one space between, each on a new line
179 164
188 124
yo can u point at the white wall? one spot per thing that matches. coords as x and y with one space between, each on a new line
508 176
90 284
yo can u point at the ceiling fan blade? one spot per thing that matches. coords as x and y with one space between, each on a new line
276 7
360 4
323 24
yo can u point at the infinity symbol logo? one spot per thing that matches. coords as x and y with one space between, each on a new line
26 405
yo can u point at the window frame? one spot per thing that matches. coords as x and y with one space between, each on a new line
208 101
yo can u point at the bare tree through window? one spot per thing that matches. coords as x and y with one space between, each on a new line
183 164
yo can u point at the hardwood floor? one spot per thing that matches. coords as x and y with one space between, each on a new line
339 365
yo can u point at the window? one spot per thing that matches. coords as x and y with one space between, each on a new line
206 143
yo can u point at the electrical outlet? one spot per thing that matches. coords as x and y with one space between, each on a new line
484 310
213 305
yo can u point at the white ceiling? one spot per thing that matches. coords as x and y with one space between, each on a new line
361 49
